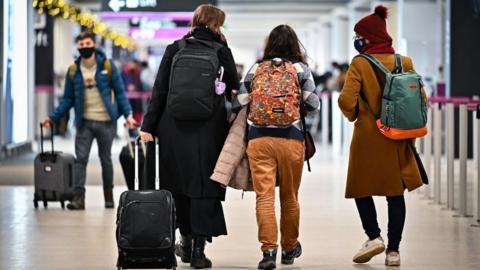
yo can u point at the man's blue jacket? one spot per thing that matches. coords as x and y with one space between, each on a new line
111 90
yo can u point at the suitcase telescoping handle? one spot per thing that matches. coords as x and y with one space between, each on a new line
42 138
128 140
157 169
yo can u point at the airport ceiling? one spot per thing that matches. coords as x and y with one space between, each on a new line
252 19
292 6
256 5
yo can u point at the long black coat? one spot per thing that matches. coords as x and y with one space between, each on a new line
188 149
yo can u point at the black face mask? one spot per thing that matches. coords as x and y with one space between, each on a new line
86 52
359 44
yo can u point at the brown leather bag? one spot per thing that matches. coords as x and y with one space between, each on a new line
309 142
309 146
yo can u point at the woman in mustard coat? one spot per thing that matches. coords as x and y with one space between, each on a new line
378 166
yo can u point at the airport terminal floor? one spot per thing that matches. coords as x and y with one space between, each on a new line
330 232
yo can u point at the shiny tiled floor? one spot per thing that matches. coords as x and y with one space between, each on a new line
330 230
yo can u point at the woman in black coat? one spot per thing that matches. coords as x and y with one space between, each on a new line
189 149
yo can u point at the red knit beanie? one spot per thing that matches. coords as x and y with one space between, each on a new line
374 26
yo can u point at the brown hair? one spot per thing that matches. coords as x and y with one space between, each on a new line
85 35
283 43
208 16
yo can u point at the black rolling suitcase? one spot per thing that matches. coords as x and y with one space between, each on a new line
54 175
146 225
127 162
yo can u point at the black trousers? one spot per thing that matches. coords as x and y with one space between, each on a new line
396 219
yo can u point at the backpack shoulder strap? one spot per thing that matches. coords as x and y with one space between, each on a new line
381 84
108 67
398 64
182 44
375 61
72 69
380 79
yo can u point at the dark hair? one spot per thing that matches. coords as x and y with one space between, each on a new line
85 35
283 43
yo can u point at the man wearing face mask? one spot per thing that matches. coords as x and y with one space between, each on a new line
95 89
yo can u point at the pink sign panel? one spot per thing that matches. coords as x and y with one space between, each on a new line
159 34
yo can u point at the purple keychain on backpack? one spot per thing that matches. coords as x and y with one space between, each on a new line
219 85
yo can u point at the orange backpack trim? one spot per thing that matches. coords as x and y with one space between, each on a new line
400 134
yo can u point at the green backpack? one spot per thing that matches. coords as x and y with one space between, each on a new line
404 111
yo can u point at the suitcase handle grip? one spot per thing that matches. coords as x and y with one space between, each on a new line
42 138
129 140
157 160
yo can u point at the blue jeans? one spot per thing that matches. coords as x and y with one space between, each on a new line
104 132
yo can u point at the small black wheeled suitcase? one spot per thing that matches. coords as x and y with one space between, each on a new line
54 175
146 225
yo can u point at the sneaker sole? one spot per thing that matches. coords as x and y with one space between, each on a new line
392 263
367 256
268 266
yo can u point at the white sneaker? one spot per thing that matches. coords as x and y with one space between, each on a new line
369 249
392 259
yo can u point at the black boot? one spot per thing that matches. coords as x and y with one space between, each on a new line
183 248
78 201
108 195
199 260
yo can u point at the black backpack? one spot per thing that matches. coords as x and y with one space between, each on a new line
192 80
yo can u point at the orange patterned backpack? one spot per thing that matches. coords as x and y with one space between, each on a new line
275 94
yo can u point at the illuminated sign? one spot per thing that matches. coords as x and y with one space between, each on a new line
153 5
159 34
116 5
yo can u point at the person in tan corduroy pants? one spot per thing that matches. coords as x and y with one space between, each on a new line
270 159
276 149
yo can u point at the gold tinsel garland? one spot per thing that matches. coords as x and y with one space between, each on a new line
60 9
